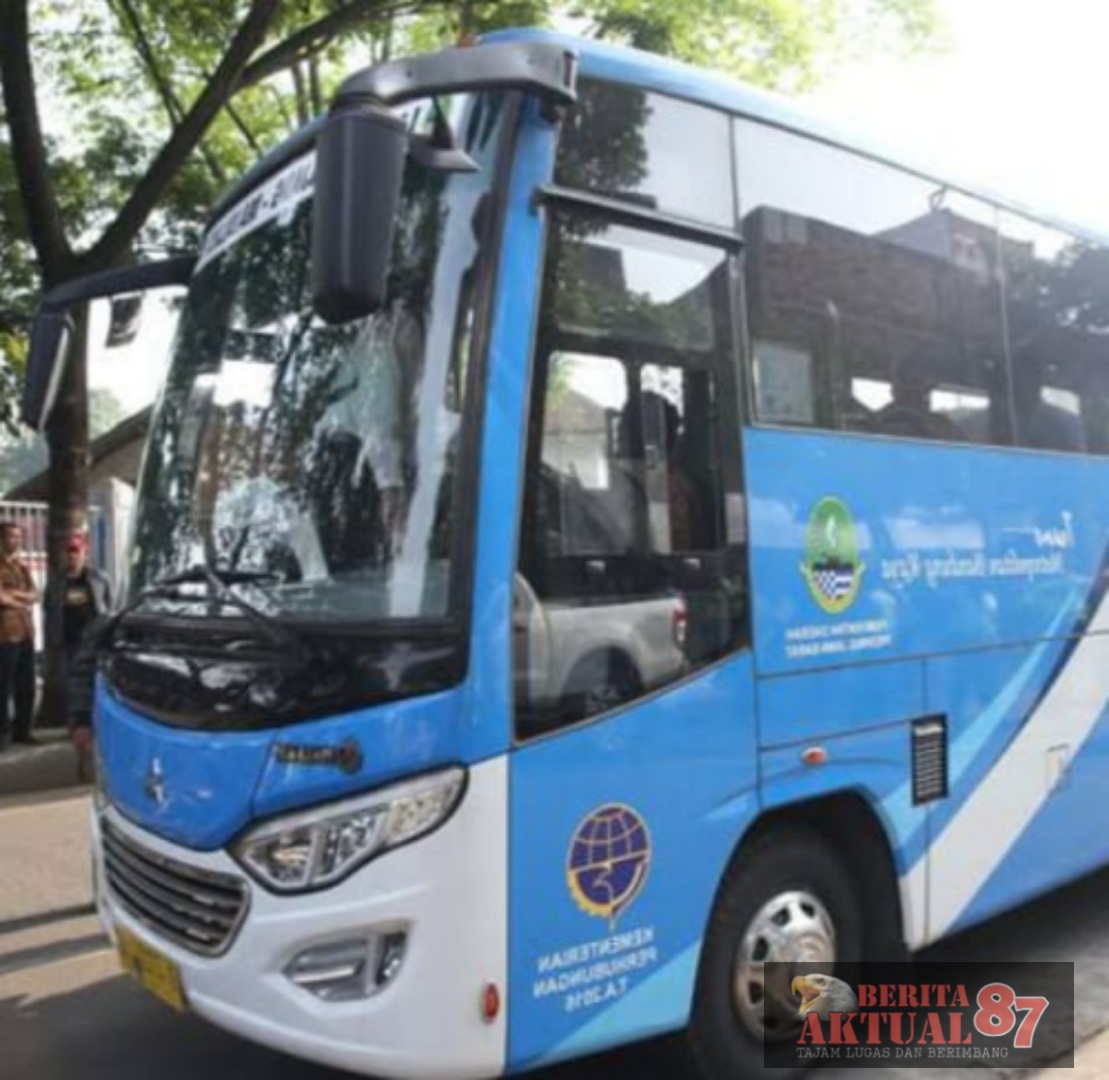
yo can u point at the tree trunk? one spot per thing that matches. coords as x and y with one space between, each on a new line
67 436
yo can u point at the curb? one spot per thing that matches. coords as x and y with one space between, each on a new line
49 766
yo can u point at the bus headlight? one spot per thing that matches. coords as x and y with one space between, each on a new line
315 848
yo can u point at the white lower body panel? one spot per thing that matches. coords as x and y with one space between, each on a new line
450 889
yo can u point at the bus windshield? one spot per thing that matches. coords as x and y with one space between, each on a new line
322 463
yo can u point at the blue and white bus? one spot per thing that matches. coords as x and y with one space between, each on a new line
603 531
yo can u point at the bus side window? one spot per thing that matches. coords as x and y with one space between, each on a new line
632 554
1057 302
859 275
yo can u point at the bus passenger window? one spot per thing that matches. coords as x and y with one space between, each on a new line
632 553
1057 299
911 410
857 273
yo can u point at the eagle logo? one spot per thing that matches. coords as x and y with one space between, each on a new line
823 995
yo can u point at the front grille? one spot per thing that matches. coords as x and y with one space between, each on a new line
200 910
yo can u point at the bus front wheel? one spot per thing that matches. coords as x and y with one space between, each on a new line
786 897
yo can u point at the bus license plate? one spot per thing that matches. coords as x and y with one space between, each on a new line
157 973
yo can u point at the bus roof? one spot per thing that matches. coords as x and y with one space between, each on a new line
618 63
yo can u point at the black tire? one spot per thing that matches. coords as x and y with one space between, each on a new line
721 1046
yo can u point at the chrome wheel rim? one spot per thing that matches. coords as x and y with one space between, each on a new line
792 927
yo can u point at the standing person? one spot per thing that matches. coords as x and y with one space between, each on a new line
72 607
17 639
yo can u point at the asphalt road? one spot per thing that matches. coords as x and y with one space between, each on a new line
66 1013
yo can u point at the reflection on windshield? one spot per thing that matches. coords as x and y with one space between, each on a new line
325 455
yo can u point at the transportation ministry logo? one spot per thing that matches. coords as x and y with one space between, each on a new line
832 568
608 860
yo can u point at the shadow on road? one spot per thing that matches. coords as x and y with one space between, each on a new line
80 1019
112 1028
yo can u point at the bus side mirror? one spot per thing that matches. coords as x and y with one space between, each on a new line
360 156
50 338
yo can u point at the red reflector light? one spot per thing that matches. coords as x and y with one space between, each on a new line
815 755
490 1003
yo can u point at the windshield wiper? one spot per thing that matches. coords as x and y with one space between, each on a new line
219 589
219 584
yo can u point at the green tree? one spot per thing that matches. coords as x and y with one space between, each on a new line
784 44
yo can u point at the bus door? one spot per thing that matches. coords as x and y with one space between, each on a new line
633 772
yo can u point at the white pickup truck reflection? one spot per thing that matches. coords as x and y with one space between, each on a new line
573 660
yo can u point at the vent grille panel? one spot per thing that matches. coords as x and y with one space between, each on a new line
929 759
200 910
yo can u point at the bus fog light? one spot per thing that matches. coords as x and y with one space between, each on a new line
334 972
351 969
391 957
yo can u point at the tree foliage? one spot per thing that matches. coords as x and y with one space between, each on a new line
784 44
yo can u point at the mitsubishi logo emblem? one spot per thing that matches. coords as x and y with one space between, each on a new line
155 785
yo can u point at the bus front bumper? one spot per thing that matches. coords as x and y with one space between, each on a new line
446 894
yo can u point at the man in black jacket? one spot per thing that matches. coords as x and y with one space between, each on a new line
72 608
